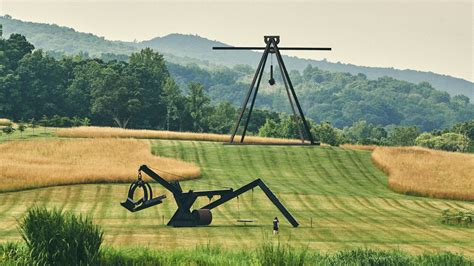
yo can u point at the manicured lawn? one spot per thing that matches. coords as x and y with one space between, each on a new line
340 190
29 133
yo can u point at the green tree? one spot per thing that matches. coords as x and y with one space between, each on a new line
221 119
465 128
425 139
76 121
21 127
197 104
447 141
403 136
289 126
85 122
325 133
78 93
44 122
10 95
117 95
286 127
452 142
171 96
33 124
15 48
269 129
8 130
148 68
365 133
41 86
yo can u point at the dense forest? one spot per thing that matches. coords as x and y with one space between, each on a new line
184 49
339 98
146 92
139 93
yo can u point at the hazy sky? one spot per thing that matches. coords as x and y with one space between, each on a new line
423 35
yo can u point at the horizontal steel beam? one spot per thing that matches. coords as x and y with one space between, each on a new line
281 48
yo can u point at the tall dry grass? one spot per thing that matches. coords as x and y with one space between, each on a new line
424 172
113 132
5 122
40 163
359 147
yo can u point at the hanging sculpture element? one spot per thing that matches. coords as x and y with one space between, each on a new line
272 48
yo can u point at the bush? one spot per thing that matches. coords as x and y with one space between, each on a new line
325 133
60 238
287 127
365 133
369 257
13 254
8 130
270 254
403 136
447 142
457 217
266 254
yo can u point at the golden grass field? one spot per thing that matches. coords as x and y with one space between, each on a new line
113 132
5 122
40 163
425 172
359 147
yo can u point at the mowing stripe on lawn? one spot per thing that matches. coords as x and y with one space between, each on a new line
342 191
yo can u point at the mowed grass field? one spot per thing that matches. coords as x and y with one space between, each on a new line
340 190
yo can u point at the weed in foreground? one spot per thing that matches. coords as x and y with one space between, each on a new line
60 238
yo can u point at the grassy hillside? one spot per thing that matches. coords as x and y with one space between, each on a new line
186 49
340 190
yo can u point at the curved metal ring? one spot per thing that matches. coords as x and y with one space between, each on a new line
147 192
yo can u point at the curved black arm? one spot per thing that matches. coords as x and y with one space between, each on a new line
266 190
175 189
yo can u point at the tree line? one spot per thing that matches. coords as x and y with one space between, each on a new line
459 137
339 98
146 92
139 93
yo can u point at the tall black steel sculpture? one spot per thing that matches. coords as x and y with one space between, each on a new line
184 217
272 48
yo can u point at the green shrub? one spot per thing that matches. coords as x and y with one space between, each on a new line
60 238
368 257
457 217
266 254
325 133
403 136
447 141
13 254
8 130
271 254
443 258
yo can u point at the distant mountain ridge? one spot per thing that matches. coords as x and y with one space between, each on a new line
185 49
200 48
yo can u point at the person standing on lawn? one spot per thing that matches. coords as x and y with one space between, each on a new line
275 226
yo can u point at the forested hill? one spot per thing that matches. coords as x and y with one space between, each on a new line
194 46
51 37
184 49
144 91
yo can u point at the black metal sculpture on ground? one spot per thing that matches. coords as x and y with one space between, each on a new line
272 48
184 217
